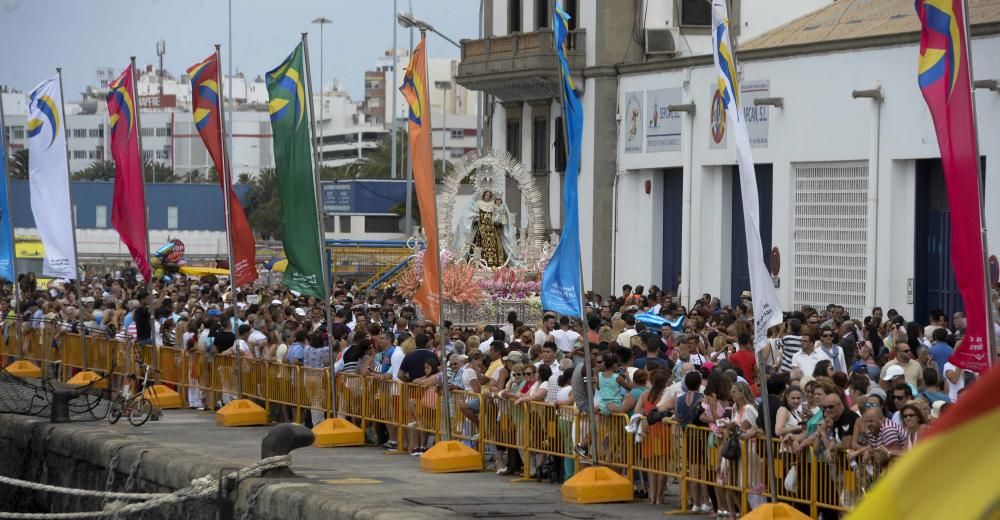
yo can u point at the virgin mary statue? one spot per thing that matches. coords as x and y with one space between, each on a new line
486 224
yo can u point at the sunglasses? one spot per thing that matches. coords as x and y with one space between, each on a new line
872 405
829 407
827 335
517 374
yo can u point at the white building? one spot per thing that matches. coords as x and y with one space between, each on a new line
851 189
515 66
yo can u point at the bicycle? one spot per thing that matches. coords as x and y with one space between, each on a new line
135 405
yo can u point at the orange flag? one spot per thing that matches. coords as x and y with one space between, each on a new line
414 88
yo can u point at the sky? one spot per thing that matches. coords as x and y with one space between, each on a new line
82 35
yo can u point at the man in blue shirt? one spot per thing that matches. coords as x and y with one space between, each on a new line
297 350
940 350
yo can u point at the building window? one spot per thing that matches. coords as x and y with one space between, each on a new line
570 7
101 217
542 11
18 132
380 224
164 154
147 132
161 132
147 155
514 138
171 217
696 12
457 134
94 132
79 154
513 16
540 145
830 247
92 154
100 154
560 147
169 130
345 223
79 133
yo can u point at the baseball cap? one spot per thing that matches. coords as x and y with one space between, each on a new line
936 409
214 312
275 302
878 392
299 311
515 355
893 371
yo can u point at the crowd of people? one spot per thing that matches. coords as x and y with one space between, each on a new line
848 390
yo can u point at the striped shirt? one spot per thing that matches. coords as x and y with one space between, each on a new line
890 435
790 345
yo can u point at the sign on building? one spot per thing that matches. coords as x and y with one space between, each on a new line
663 127
337 197
156 101
633 125
717 120
756 118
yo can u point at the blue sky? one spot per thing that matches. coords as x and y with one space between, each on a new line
82 35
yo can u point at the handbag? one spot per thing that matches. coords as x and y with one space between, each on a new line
731 448
791 480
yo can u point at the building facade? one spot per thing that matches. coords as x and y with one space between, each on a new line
852 203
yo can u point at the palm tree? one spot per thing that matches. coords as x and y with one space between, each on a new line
157 172
97 171
18 164
263 206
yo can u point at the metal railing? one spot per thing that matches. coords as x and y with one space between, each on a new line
535 429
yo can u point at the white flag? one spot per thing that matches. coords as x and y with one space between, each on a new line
766 310
48 176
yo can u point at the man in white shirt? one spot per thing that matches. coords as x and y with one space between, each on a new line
624 338
807 358
258 338
956 380
565 338
549 358
548 324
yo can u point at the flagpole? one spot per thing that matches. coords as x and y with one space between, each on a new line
69 187
145 216
991 340
765 404
10 232
227 188
592 423
321 226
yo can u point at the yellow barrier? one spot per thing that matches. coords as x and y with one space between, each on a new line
826 482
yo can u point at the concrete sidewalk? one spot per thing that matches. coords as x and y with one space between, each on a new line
368 482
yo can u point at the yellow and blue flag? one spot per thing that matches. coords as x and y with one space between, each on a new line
562 281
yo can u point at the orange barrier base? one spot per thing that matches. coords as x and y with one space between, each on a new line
332 433
775 511
595 485
451 457
163 397
241 412
26 369
87 377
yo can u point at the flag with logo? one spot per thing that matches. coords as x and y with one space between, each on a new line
6 220
293 159
207 106
562 289
48 179
128 204
414 89
766 309
944 79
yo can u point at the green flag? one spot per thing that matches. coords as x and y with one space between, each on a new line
294 163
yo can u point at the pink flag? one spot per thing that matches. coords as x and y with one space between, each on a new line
128 209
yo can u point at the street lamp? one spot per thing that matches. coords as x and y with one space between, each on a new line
322 20
407 20
444 87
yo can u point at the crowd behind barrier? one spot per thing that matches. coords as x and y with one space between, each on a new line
538 431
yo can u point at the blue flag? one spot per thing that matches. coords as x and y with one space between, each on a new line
562 284
6 221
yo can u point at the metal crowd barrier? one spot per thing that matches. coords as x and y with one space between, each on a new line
535 429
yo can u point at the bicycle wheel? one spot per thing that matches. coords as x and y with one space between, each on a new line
142 408
115 410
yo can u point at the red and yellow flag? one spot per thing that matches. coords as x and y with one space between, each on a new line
128 208
414 89
951 472
205 101
945 81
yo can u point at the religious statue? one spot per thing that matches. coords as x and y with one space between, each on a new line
486 225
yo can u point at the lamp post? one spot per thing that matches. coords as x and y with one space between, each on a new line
322 20
444 87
